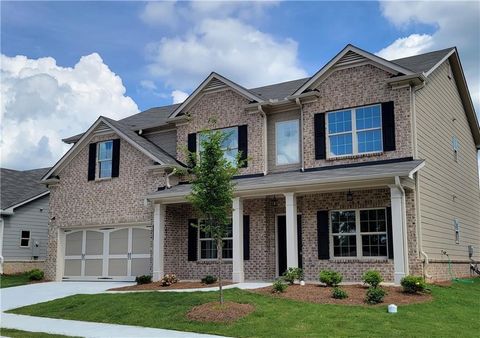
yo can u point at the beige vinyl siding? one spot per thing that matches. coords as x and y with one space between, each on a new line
440 116
271 143
167 140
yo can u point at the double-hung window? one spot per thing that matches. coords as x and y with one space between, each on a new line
359 233
208 245
354 131
105 159
229 145
287 140
25 238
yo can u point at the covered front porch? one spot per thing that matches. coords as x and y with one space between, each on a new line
346 219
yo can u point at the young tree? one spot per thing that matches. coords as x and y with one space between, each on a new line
212 190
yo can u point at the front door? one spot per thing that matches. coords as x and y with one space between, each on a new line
282 242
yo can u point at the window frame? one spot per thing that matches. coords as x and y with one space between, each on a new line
199 245
354 132
199 134
276 142
29 238
99 161
358 235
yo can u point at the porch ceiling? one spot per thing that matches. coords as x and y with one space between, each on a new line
323 179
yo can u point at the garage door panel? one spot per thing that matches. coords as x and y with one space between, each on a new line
73 267
94 243
118 242
117 267
140 266
93 267
73 243
140 241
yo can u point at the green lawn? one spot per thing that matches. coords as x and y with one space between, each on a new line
454 312
24 334
7 281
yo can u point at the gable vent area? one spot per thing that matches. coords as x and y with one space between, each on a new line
214 84
349 58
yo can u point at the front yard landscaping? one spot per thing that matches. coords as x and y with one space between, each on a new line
453 311
23 334
7 281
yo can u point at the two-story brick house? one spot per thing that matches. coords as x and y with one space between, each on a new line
367 164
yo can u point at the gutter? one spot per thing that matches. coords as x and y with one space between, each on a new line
398 184
299 103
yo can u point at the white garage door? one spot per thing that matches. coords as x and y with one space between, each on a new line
113 253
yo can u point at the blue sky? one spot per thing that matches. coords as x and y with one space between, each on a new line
118 58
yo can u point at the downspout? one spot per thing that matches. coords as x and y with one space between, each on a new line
297 101
413 90
404 224
265 153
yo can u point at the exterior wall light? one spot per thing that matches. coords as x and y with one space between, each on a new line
349 196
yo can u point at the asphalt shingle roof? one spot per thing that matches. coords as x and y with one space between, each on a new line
422 63
279 90
18 186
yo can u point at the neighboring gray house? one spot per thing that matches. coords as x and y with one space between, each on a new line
23 220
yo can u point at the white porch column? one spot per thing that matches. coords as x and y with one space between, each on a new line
158 241
237 224
291 229
400 256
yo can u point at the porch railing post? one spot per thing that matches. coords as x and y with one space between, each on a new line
400 256
237 225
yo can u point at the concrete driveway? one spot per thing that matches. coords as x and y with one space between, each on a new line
37 293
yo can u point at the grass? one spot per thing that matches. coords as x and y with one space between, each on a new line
25 334
453 312
7 281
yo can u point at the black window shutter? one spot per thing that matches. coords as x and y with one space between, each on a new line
192 147
323 235
192 239
115 157
246 237
243 144
320 148
92 160
388 126
389 233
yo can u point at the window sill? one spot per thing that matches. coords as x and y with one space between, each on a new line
103 179
344 157
359 260
213 261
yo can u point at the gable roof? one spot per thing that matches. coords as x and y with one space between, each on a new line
124 131
215 79
18 186
348 55
423 63
278 91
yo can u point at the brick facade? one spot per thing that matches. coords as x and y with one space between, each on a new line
14 267
352 87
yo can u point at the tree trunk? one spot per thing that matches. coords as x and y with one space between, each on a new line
219 260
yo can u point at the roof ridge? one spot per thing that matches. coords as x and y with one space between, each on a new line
422 54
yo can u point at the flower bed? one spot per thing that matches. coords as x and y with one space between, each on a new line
158 286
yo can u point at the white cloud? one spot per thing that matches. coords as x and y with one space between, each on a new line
221 37
229 47
160 13
43 103
178 96
456 23
148 85
403 47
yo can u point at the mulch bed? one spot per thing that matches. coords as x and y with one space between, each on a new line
176 286
356 295
214 312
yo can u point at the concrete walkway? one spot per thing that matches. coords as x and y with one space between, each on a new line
37 293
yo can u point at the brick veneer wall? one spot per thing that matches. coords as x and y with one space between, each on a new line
351 87
439 270
14 267
226 109
262 263
75 201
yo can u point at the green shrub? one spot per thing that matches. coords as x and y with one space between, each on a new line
169 279
375 295
339 293
209 279
279 286
144 279
413 284
330 277
293 274
372 278
35 274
